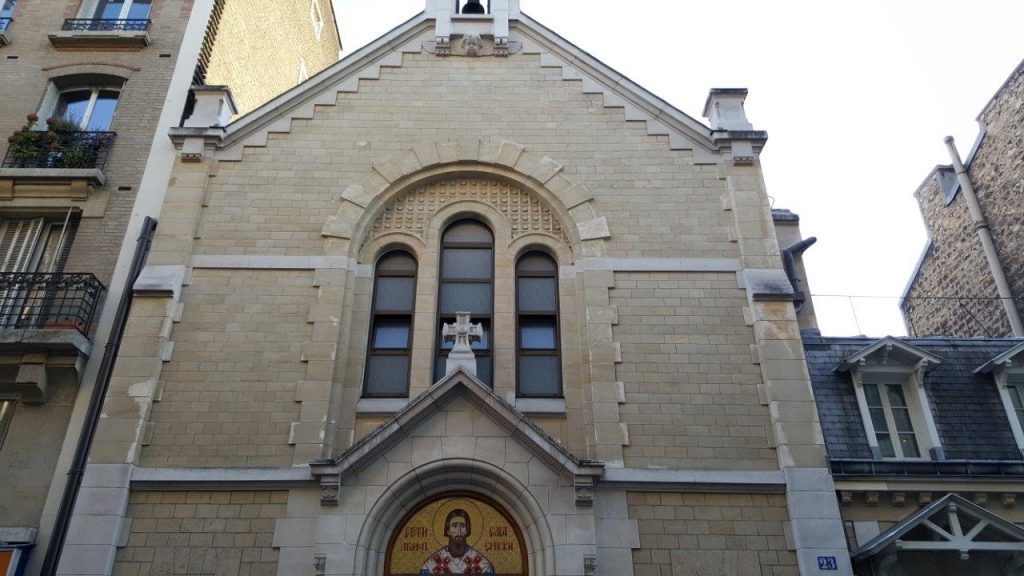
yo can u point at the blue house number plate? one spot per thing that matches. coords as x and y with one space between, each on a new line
827 563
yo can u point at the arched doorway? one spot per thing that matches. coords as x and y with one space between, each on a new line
457 533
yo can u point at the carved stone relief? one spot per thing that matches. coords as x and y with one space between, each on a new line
412 211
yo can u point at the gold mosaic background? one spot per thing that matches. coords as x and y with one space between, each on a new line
423 534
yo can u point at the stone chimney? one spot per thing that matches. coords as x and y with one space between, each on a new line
724 109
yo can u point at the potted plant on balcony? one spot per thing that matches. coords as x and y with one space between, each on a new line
62 145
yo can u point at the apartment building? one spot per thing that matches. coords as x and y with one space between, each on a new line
89 91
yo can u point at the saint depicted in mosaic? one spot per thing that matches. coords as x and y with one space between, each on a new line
457 557
457 534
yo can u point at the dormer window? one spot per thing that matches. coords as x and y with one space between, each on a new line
1007 370
888 379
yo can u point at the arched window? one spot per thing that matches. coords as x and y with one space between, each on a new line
466 283
394 296
538 365
91 108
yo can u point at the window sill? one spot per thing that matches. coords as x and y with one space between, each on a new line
380 406
40 355
60 188
541 406
100 39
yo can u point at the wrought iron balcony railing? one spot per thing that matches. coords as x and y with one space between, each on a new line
104 25
49 301
58 149
851 468
4 23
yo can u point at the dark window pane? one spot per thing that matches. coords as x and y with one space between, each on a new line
472 298
483 344
896 396
483 368
467 263
537 334
538 295
901 417
73 105
885 446
872 396
878 419
909 446
397 262
109 9
391 334
536 262
538 375
387 375
468 231
395 293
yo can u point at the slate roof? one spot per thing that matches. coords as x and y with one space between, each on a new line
968 413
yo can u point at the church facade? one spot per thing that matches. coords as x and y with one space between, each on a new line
468 301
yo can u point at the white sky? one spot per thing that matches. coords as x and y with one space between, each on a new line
856 98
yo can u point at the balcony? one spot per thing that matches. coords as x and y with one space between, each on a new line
4 23
102 34
45 321
55 170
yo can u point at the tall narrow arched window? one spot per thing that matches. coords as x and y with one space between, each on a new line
538 365
466 285
394 296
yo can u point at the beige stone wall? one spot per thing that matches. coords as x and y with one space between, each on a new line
956 265
29 454
228 397
28 65
687 369
657 202
711 535
201 533
269 37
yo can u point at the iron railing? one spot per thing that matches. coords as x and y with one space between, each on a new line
4 23
105 25
58 149
39 301
851 468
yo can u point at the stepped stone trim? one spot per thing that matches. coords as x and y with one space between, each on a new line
639 105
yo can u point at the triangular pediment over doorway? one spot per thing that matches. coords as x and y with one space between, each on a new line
949 524
456 386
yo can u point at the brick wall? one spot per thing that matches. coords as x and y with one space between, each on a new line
711 535
199 533
956 265
229 391
269 37
690 383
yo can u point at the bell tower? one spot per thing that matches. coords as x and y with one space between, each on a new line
480 17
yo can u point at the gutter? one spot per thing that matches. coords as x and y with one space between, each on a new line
92 416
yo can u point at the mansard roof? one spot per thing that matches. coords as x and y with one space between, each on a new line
684 132
968 413
457 384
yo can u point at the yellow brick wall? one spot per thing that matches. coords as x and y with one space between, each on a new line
689 378
711 535
229 391
30 62
200 533
269 37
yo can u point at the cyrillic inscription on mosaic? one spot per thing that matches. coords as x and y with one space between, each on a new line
457 535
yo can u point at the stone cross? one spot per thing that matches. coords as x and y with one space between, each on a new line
462 333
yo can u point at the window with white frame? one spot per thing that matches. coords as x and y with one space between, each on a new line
888 380
116 9
317 17
6 415
91 108
1007 369
890 416
1016 393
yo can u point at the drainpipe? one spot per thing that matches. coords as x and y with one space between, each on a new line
981 225
92 416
